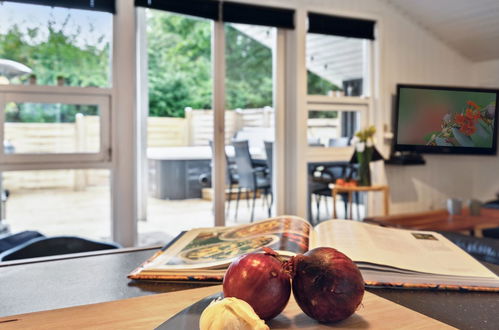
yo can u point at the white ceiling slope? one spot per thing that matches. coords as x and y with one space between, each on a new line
469 26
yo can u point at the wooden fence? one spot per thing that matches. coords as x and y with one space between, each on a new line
83 136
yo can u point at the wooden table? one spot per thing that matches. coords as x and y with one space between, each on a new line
151 311
440 220
335 189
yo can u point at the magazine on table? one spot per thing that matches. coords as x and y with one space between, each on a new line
386 257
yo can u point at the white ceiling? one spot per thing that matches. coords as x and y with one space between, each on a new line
469 26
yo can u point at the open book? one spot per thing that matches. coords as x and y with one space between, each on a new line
386 257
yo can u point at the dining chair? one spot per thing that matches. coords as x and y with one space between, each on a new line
251 178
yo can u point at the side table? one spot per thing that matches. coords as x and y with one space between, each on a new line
335 189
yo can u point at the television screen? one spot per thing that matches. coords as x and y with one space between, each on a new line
446 119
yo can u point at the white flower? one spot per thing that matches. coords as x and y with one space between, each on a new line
369 143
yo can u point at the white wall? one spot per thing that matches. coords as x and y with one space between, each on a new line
485 180
486 73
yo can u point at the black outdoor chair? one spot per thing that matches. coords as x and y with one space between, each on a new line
56 245
231 176
269 153
251 178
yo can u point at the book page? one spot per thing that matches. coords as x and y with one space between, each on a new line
420 251
217 246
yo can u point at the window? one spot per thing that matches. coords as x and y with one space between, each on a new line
336 65
249 91
179 119
338 74
332 128
42 45
55 120
338 60
54 125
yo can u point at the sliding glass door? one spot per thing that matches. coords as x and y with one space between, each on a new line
179 125
209 84
249 118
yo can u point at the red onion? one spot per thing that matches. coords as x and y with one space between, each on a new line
260 280
327 285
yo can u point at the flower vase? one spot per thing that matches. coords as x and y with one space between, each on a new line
364 158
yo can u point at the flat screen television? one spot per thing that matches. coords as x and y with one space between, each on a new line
438 119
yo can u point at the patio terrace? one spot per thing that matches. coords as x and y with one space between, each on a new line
87 213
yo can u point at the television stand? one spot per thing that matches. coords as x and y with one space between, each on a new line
406 158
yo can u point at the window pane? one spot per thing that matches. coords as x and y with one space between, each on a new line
54 46
249 91
335 65
180 126
58 202
332 128
51 128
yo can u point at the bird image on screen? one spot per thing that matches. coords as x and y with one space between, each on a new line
444 119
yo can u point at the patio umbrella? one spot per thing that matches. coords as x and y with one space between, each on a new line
11 69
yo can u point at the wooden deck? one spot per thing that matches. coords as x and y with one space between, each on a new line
87 214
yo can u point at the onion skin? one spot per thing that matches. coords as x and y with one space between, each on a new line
327 285
261 281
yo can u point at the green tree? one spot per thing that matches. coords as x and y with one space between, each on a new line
179 68
179 52
179 49
60 54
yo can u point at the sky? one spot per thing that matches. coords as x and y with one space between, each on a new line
30 16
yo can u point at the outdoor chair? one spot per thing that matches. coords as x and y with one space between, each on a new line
56 245
269 153
251 178
231 176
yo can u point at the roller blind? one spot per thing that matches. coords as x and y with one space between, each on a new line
200 8
258 15
97 5
341 26
231 12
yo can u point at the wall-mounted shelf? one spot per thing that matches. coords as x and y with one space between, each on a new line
405 159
